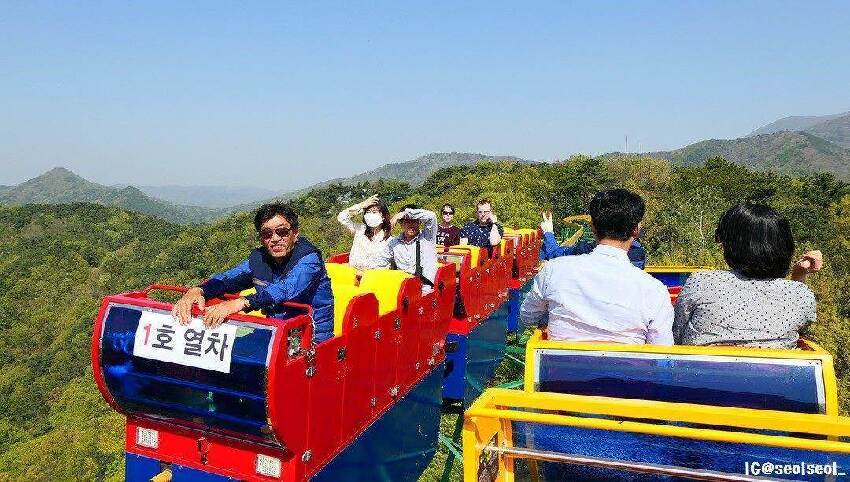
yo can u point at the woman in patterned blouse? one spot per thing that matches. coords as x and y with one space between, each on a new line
752 304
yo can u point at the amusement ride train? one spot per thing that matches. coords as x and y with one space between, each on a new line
256 400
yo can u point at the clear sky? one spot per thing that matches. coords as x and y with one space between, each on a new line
280 95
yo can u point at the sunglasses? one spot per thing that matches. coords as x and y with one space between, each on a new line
267 233
449 213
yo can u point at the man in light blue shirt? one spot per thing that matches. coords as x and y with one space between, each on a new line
601 296
415 249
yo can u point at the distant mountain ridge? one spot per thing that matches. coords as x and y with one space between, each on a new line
59 185
788 152
834 127
207 196
413 172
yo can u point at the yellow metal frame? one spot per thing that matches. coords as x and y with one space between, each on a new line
571 221
811 351
675 268
491 416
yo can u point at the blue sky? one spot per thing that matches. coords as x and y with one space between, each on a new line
281 95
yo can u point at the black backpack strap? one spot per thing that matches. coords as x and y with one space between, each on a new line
418 271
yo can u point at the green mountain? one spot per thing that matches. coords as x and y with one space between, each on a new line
60 185
834 128
786 152
415 172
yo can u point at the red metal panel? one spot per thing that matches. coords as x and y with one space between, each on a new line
325 408
385 355
359 328
445 282
408 337
289 392
341 258
196 450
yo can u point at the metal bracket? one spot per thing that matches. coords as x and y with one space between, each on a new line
310 360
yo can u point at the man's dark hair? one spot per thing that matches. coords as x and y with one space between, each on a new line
483 201
408 206
757 241
270 210
615 213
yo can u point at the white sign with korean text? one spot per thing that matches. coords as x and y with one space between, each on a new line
160 337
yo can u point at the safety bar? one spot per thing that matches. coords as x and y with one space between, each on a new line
637 467
307 338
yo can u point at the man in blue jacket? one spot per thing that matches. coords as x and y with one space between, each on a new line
286 268
550 249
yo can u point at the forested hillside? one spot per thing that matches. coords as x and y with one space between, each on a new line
786 152
58 261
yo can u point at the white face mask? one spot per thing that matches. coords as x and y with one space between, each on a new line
373 220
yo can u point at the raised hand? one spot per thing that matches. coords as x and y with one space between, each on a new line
373 199
547 225
810 262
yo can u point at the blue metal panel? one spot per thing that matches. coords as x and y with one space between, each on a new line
141 469
789 385
486 351
471 360
399 445
455 366
513 309
671 280
234 401
671 451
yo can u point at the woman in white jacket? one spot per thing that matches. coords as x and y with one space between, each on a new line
370 236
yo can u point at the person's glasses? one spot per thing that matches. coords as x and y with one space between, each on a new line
267 233
448 213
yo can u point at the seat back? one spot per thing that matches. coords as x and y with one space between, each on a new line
341 273
801 381
343 293
385 283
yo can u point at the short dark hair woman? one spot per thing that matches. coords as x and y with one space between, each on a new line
752 304
370 236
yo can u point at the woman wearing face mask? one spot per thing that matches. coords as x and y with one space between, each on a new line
370 237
